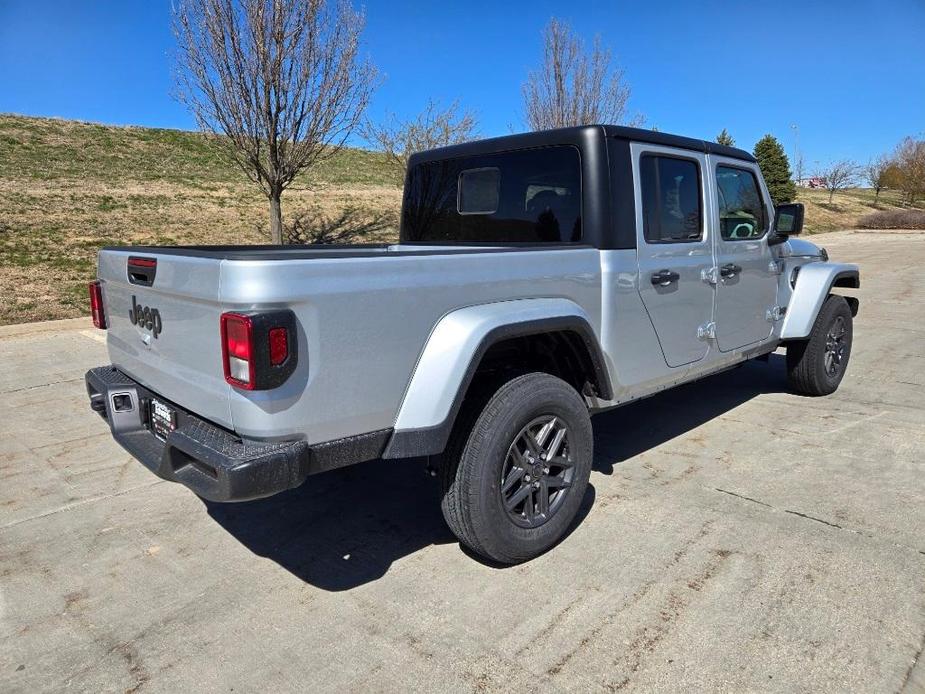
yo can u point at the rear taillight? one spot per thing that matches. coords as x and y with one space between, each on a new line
96 304
237 336
258 349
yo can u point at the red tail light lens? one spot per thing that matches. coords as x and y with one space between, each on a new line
259 349
96 305
279 346
237 350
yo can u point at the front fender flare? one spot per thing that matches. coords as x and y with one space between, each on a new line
452 354
814 283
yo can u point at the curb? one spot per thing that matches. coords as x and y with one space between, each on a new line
23 329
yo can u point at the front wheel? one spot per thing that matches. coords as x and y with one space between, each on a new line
513 482
816 366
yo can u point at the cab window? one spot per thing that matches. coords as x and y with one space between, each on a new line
671 197
742 213
521 196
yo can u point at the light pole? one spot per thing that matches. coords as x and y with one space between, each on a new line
798 168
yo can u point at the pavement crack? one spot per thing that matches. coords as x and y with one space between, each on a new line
41 385
914 680
78 504
741 496
819 520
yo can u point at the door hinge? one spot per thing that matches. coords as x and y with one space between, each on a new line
775 313
709 275
707 331
776 267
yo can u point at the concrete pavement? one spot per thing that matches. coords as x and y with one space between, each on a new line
736 538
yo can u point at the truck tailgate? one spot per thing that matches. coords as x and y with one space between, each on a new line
175 352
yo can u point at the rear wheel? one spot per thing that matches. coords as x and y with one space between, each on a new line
816 366
516 469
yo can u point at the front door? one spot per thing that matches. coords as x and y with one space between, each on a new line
747 276
674 249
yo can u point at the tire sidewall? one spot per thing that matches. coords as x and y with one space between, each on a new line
490 442
834 307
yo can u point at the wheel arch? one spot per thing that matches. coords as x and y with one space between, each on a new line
458 348
813 286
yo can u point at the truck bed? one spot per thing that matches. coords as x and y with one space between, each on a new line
314 252
364 314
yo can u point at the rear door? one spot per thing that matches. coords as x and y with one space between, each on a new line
163 327
674 248
747 274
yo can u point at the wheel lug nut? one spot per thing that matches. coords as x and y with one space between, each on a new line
536 485
545 470
527 478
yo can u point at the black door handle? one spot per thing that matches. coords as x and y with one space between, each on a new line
729 270
663 278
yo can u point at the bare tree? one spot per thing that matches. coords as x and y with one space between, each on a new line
875 173
574 87
433 127
839 175
280 80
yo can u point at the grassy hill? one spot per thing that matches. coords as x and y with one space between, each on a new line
67 188
846 208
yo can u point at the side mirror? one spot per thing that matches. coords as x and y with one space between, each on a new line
788 221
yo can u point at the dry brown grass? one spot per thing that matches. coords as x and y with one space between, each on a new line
67 188
846 208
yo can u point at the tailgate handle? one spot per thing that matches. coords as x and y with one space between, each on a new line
142 270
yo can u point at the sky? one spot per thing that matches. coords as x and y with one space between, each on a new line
835 79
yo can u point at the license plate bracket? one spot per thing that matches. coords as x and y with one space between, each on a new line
162 418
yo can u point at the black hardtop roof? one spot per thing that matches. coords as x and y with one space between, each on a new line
583 134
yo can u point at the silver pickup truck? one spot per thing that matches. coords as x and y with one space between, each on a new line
540 278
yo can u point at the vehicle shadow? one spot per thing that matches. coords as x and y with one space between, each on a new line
629 430
345 528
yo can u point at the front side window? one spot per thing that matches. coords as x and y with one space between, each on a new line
742 213
671 197
529 196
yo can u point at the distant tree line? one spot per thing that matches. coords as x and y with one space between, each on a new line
902 169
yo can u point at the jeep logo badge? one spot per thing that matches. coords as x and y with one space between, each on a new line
145 317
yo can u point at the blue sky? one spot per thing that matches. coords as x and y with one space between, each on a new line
849 73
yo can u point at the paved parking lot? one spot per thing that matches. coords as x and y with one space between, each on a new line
736 538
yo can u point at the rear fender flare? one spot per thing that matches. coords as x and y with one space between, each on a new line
453 352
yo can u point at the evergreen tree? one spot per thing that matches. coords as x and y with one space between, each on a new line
775 167
724 138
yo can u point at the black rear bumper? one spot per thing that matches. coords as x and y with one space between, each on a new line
211 461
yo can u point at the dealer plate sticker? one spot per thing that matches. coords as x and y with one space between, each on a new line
163 419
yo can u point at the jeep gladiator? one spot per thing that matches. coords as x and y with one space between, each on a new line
539 278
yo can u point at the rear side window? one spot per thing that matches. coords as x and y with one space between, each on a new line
671 199
741 211
531 196
479 191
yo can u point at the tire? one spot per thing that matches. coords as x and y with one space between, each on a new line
491 445
817 365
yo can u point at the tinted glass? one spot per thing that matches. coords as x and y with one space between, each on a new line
479 190
528 196
741 211
670 199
